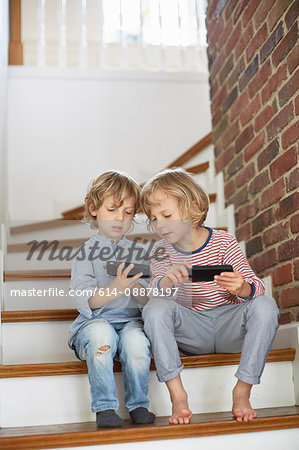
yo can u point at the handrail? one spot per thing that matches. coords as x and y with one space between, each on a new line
76 213
15 44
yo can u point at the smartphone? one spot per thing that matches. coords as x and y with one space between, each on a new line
112 267
207 273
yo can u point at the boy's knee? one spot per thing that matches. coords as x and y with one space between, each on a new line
103 349
157 308
265 309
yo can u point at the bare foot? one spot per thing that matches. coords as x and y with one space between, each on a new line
181 413
242 409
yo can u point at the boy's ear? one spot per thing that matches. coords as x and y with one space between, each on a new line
92 211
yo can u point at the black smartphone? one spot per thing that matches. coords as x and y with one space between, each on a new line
207 273
112 267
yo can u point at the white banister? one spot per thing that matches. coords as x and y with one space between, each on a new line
41 46
200 28
83 57
142 43
123 35
102 46
62 45
162 46
182 48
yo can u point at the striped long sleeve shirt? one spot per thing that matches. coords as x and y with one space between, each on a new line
220 248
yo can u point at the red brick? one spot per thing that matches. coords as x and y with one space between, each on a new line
244 40
255 145
262 12
226 69
218 63
285 317
240 8
216 117
216 31
288 206
290 297
249 11
284 163
230 6
260 79
292 14
294 222
248 211
287 91
240 197
224 158
251 110
296 269
220 129
274 83
263 118
250 71
233 39
268 154
259 183
276 234
285 45
282 275
262 221
277 11
246 174
271 43
229 189
256 42
211 8
273 194
245 137
280 121
227 30
218 99
240 104
293 59
291 135
237 71
234 166
243 233
230 134
267 259
292 182
296 101
288 250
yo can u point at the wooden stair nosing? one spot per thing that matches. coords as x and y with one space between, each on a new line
9 275
39 315
194 150
205 424
199 168
79 367
52 223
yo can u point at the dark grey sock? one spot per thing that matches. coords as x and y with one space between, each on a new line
109 419
142 415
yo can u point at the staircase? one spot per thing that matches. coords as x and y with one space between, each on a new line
45 400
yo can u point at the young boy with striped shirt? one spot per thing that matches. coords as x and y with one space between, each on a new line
229 314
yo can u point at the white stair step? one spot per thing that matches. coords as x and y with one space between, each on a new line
48 294
66 399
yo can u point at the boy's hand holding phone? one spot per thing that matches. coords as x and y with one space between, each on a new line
122 281
234 283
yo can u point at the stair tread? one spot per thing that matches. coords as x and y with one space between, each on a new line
80 368
86 433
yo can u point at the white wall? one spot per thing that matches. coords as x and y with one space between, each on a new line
3 89
65 127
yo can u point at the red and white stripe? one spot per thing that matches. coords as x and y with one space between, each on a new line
222 248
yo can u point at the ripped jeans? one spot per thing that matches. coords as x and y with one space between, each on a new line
98 343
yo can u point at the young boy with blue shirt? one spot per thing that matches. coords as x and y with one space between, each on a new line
109 325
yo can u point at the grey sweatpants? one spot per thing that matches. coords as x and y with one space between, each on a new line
249 327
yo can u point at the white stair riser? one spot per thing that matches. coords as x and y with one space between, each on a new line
47 342
36 342
275 439
51 298
66 399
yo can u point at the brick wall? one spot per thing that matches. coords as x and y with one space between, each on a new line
253 57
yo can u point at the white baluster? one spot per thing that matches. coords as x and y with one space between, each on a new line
83 40
200 29
162 47
123 37
62 33
102 46
182 48
142 43
41 47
